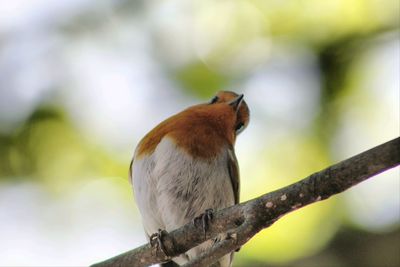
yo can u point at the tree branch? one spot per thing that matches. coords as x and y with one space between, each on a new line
244 220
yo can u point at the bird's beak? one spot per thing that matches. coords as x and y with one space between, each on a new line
235 103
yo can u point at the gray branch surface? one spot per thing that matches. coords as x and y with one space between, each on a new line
244 220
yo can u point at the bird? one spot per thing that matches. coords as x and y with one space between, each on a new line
186 166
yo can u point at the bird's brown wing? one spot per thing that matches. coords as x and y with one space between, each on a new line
233 169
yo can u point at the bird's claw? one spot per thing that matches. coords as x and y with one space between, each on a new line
233 236
205 219
156 241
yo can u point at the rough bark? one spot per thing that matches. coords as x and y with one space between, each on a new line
244 220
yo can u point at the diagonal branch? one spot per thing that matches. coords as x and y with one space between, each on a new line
244 220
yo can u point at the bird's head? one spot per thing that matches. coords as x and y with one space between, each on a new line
226 115
239 109
210 124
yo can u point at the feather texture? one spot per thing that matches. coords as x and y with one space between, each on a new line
187 165
179 188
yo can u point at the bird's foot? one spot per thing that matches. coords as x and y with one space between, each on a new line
233 236
156 241
205 218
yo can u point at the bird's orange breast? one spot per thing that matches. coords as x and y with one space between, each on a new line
200 131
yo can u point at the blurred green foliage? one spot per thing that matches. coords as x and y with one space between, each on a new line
49 149
199 80
201 47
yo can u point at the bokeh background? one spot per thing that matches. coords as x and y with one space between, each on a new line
81 81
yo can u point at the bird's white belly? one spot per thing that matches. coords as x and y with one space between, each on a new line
171 187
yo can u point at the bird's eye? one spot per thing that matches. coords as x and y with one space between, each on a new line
239 127
214 100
